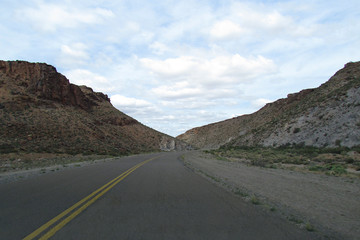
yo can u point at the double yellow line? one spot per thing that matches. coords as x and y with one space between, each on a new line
81 206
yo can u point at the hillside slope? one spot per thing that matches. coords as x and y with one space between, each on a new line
326 116
40 111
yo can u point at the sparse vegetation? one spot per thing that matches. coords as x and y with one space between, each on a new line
258 162
330 161
240 193
209 176
294 219
329 169
21 161
309 227
254 200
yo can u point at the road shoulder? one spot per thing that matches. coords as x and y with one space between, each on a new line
326 204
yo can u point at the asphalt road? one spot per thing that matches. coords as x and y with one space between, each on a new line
159 200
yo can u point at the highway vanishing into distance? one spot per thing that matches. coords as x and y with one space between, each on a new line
151 196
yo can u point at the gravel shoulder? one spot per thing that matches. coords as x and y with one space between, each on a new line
327 204
18 175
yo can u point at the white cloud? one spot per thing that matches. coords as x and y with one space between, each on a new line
172 66
189 103
218 77
236 68
220 69
250 22
176 58
73 55
88 78
260 102
225 29
159 48
49 17
177 91
165 118
204 87
263 20
77 50
192 95
123 101
137 108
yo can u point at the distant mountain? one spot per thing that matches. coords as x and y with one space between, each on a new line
326 116
40 111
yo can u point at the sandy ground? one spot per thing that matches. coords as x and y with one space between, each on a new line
329 204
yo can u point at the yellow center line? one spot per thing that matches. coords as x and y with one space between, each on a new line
112 183
64 213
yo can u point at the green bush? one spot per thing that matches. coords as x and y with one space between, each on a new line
337 169
330 169
255 200
316 168
309 227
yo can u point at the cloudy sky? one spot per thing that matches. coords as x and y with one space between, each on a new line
175 65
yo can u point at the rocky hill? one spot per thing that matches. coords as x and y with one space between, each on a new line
40 111
326 116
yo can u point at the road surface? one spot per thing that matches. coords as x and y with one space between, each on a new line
155 199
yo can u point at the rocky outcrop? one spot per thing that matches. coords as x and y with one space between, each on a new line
171 144
41 111
45 82
327 116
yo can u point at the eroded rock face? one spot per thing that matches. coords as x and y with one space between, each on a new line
40 111
327 116
45 82
171 144
332 125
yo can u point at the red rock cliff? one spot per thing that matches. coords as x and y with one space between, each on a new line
45 82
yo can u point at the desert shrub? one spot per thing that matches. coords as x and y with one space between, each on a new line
349 160
255 200
258 162
294 219
309 227
241 193
222 158
330 169
7 148
316 168
336 169
296 130
337 150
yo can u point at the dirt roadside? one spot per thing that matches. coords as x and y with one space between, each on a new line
22 174
327 204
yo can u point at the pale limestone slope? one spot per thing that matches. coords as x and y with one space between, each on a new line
326 116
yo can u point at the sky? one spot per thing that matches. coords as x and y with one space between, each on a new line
175 65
